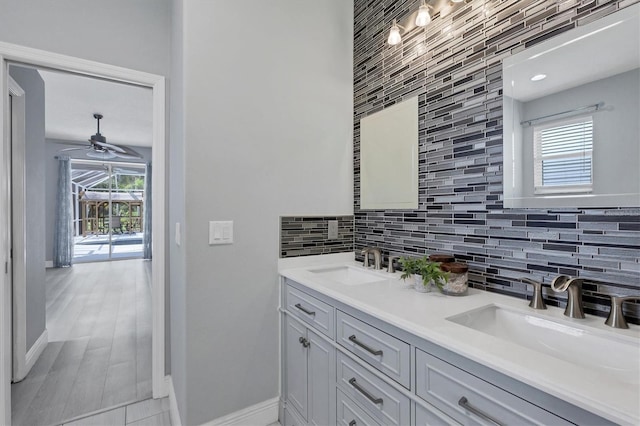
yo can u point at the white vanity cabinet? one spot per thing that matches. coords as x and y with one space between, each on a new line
343 366
309 369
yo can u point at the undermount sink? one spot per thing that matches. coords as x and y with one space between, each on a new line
615 355
348 275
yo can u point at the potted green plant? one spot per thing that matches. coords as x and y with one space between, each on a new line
431 275
410 267
424 273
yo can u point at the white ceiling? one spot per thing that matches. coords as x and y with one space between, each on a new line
599 54
71 100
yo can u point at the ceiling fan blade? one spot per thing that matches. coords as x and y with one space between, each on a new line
128 156
75 149
66 142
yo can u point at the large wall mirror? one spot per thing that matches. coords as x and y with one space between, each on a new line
572 118
389 157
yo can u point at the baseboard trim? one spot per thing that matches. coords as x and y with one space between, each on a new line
261 414
173 403
36 350
48 263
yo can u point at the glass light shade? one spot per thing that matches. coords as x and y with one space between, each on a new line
100 155
423 18
394 35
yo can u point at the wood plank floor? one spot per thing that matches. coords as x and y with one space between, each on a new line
99 351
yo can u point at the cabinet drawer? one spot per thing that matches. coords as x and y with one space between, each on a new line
349 414
448 387
314 312
384 403
381 350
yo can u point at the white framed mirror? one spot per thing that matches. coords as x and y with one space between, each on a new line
572 118
389 157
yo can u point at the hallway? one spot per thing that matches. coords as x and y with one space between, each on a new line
99 351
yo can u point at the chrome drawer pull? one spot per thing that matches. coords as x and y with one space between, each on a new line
352 423
363 391
363 346
464 403
306 311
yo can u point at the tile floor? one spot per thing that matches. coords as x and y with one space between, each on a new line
150 412
99 351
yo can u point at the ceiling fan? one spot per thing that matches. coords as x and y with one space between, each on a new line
102 150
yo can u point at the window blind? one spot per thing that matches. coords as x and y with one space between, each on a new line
563 156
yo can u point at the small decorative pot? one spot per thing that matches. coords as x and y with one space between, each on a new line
419 284
407 283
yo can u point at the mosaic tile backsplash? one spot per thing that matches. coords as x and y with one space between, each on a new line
309 235
454 66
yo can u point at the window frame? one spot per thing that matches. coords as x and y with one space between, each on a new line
538 187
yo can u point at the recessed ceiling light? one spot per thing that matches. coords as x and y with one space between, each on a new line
538 77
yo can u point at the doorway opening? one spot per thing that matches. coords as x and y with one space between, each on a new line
108 208
153 271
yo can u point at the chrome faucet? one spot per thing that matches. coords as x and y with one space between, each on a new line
573 286
616 317
377 257
390 266
537 302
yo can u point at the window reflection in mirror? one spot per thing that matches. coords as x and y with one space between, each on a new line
572 118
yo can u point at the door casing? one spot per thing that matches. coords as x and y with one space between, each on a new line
11 53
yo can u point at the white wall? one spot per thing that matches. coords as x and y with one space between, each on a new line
268 131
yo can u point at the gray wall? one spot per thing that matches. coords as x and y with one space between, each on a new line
52 149
33 85
268 117
615 132
132 34
177 296
459 84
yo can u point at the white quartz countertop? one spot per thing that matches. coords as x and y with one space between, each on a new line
424 315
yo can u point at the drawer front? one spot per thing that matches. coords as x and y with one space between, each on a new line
381 350
432 417
471 400
314 312
349 414
384 403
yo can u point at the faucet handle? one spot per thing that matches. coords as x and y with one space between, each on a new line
537 302
365 252
616 317
390 267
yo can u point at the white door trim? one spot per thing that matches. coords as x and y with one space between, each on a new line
18 231
14 53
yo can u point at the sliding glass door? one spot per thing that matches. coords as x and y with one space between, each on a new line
108 210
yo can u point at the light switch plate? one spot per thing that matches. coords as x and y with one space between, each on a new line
333 229
221 232
178 234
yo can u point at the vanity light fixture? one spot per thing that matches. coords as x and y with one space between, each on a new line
457 1
538 77
423 18
394 34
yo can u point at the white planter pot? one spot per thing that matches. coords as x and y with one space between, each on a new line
419 286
